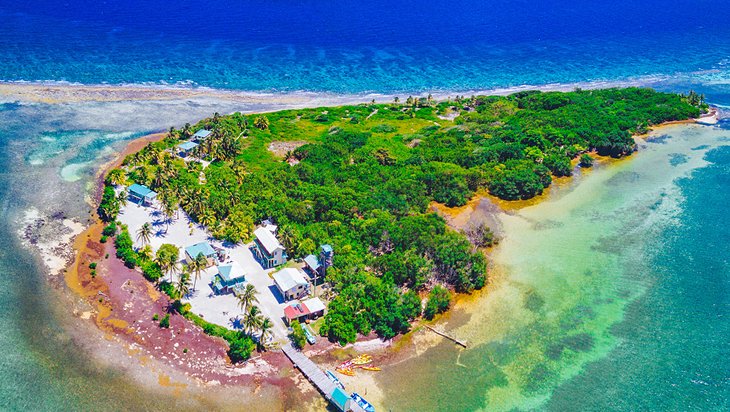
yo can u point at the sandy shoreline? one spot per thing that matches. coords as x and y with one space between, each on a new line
54 92
212 367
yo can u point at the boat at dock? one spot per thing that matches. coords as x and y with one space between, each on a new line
361 402
334 379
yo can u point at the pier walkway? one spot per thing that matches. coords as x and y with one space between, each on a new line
310 370
318 378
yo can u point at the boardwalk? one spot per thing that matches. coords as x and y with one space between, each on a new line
316 376
310 370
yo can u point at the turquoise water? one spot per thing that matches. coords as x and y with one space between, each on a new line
613 295
673 341
50 154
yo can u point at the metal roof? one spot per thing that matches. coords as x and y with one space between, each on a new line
327 248
340 398
294 311
187 146
289 278
202 133
267 240
312 262
231 272
203 247
313 305
141 190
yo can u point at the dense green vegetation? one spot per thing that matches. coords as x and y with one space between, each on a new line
361 178
439 300
297 335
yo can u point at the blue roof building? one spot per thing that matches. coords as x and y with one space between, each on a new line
141 194
228 278
185 148
202 248
201 134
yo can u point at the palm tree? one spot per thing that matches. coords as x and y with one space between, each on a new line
261 122
197 266
122 197
160 177
206 218
265 328
396 99
145 233
186 131
239 171
116 177
288 238
252 319
247 298
167 256
183 283
172 268
146 252
168 209
162 262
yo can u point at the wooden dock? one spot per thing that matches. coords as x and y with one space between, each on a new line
310 370
451 338
315 375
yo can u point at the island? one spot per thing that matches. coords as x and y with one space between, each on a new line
269 230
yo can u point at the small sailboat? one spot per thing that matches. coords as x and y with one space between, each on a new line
362 402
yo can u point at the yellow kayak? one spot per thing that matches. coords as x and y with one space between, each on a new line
347 372
370 368
362 359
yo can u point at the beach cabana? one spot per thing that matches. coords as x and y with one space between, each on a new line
291 283
228 278
267 249
201 135
141 194
186 149
202 248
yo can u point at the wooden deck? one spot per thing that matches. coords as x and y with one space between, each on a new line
310 370
447 336
315 375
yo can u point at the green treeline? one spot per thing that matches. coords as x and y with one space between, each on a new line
361 178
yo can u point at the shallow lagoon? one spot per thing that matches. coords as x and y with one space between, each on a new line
587 287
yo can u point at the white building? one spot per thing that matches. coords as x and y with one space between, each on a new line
291 283
267 249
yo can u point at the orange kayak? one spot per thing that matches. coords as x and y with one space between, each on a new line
347 372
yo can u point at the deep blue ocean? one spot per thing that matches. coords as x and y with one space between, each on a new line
354 46
674 335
